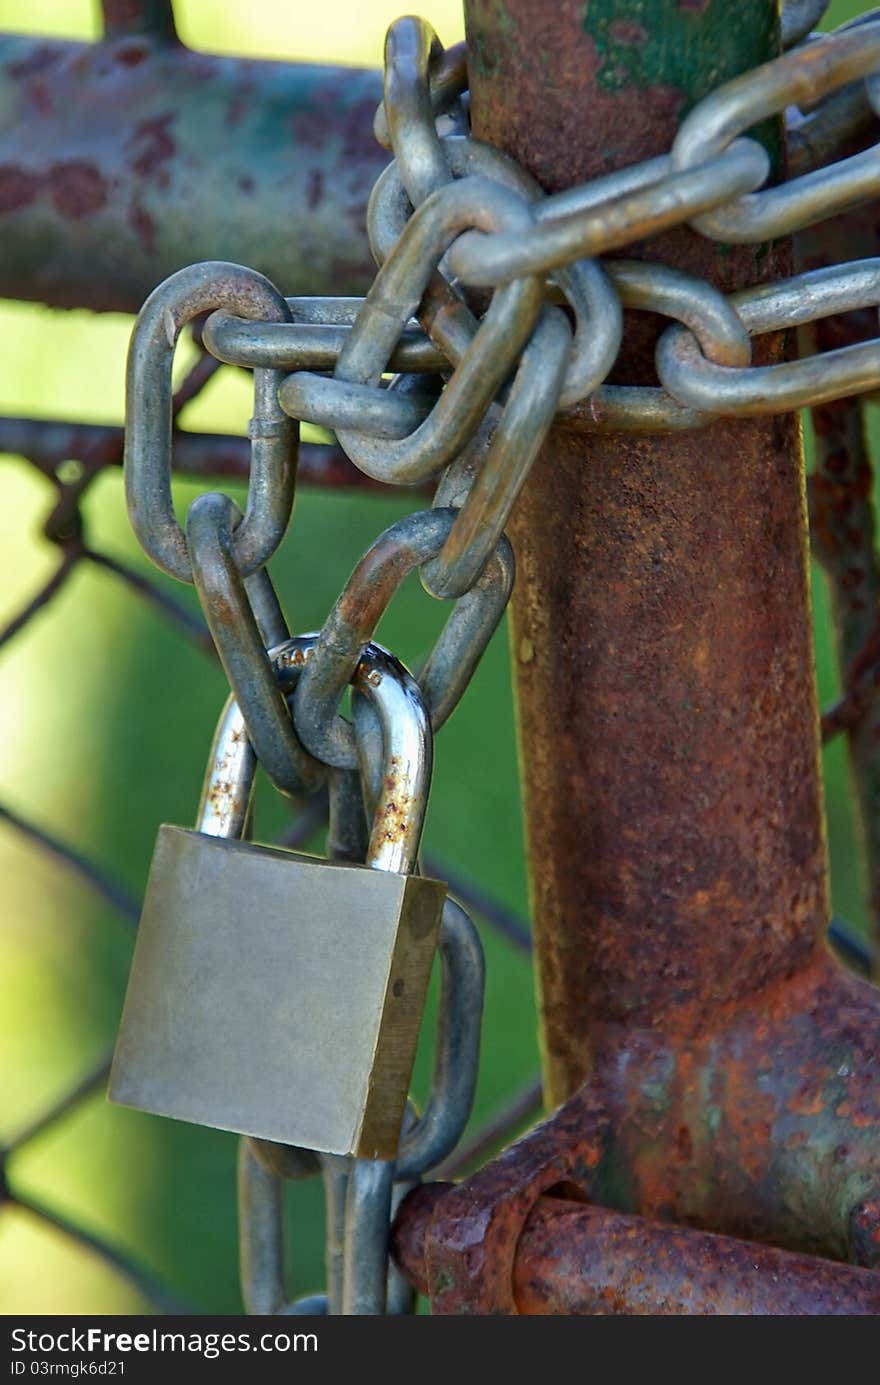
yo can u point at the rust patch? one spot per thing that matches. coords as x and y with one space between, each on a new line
18 188
152 144
37 62
143 225
294 658
131 53
77 188
351 123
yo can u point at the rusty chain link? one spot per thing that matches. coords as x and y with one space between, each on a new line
479 381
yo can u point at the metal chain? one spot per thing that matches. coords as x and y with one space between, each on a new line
479 380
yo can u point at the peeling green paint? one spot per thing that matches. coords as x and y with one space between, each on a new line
693 45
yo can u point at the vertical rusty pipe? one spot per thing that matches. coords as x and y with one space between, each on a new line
661 624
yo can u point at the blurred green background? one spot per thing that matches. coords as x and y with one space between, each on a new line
108 715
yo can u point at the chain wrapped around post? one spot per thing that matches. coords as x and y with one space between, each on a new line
478 378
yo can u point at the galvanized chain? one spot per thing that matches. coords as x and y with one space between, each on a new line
451 215
477 385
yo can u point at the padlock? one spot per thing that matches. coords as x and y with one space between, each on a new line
275 994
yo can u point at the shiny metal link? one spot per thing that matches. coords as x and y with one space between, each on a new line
225 601
815 135
400 1297
311 1306
262 1240
148 398
308 344
427 1139
677 196
261 1234
798 78
711 318
813 139
849 370
462 974
412 54
368 1283
516 442
411 47
658 288
395 296
797 18
552 369
584 284
353 620
367 1229
405 734
381 412
361 1193
335 1170
447 77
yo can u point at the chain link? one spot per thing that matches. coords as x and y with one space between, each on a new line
351 624
477 381
799 78
148 412
847 370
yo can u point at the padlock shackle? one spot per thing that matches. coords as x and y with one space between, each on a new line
407 751
229 779
408 754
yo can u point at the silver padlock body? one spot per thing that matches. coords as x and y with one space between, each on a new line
276 995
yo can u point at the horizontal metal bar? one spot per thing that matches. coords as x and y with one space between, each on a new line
123 160
581 1259
47 442
576 1258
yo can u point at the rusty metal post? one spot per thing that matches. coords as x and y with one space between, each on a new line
661 627
715 1065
